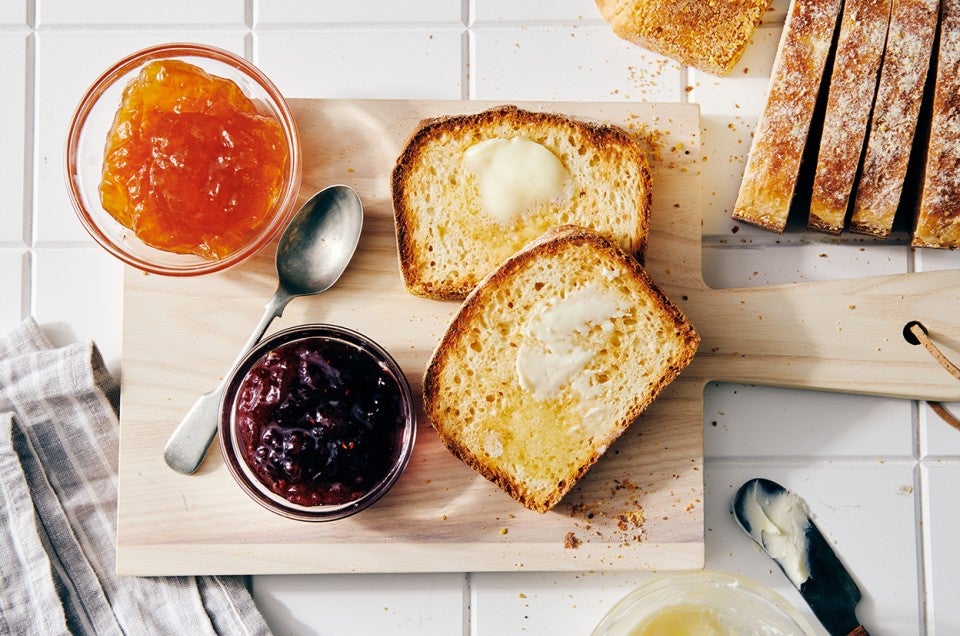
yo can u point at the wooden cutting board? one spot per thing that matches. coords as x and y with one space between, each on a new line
640 506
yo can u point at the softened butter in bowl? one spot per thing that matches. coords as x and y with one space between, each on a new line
317 423
703 603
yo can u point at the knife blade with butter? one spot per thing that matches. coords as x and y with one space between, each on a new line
778 521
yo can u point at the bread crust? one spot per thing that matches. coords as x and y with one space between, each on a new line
853 86
770 177
913 24
434 129
710 35
550 244
938 218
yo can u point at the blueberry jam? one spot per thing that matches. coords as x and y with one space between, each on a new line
319 421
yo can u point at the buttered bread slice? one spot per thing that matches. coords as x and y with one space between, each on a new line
470 190
550 359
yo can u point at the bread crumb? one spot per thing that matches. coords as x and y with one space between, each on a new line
571 541
521 595
503 531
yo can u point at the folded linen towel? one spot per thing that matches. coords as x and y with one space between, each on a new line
58 503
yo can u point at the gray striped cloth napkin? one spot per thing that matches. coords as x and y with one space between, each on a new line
58 503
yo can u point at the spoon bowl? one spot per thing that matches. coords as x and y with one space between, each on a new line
312 254
318 244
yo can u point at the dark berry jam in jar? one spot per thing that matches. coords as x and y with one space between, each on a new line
317 422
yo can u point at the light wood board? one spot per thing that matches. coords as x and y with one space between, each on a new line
180 336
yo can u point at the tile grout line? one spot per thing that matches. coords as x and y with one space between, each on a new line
29 209
924 586
467 92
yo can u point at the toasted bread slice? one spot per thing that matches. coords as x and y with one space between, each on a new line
770 177
913 25
853 86
550 359
448 236
938 217
710 36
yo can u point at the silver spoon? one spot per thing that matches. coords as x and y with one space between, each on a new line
312 253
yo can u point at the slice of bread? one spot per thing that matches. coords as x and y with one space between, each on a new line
550 359
448 239
770 177
913 25
710 36
853 86
938 218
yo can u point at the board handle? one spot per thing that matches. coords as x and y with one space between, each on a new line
850 336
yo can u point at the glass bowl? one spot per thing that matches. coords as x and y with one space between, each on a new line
86 143
353 422
731 604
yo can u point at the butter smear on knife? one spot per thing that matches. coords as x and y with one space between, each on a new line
779 523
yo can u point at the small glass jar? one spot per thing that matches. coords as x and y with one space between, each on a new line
714 602
86 144
317 423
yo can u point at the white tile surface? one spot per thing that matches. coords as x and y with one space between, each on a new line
67 64
13 309
482 11
14 13
742 263
422 604
865 509
422 63
929 260
77 296
754 422
938 438
14 163
124 12
546 603
942 503
585 63
299 12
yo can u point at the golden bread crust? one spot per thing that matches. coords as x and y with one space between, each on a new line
938 218
439 394
620 154
773 165
913 25
710 35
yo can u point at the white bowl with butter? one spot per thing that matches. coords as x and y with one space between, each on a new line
703 603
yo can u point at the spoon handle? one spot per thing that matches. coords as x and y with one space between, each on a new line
189 442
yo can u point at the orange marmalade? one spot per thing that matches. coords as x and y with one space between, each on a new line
190 166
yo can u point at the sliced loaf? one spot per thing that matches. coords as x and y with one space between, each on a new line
460 212
549 360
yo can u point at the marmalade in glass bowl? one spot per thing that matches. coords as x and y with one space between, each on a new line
190 164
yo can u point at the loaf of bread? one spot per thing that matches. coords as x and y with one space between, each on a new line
710 35
913 25
549 360
938 217
470 190
853 86
770 177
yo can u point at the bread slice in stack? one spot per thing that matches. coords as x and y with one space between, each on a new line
770 177
710 36
550 359
938 218
461 192
853 86
913 27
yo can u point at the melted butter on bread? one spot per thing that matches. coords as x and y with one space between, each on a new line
514 175
563 337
